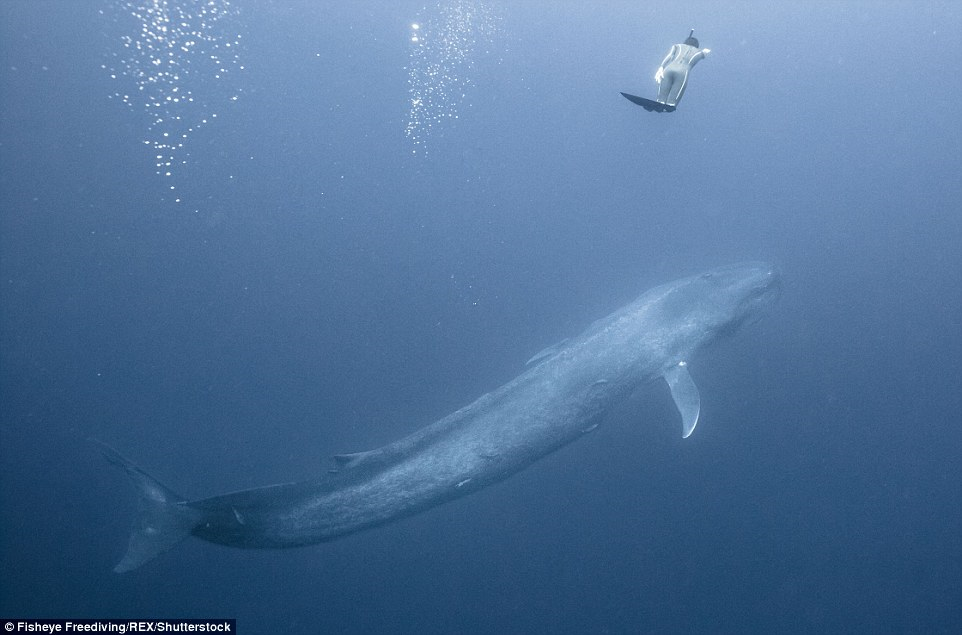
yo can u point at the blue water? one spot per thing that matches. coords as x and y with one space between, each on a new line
320 280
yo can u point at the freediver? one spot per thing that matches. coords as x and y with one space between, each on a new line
672 75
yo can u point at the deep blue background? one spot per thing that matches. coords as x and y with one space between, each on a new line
320 289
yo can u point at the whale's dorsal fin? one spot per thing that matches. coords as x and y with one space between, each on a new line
345 461
551 351
685 393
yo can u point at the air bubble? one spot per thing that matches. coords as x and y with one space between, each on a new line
442 58
172 51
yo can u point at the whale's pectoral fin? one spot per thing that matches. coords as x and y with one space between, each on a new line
685 393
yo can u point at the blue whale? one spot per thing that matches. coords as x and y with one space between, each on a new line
562 395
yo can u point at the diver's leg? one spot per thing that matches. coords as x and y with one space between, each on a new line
677 87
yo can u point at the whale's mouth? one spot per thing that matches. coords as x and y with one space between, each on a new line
760 298
768 287
755 287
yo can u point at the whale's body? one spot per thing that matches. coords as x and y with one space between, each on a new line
562 396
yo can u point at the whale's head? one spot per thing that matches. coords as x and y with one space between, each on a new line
740 293
716 303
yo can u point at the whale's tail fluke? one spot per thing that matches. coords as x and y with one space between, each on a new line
163 518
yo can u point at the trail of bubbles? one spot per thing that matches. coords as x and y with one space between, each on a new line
444 49
176 63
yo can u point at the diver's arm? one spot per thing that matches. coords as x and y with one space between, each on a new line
670 56
661 69
700 55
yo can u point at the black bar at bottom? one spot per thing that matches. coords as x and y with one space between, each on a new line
122 627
